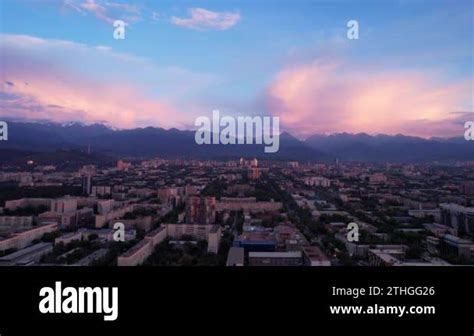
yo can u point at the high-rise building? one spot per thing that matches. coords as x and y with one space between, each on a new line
101 190
64 205
168 195
254 173
254 163
88 170
201 210
121 165
458 217
87 184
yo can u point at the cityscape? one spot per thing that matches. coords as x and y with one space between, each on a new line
236 133
242 212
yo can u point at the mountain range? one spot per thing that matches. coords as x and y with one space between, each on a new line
47 137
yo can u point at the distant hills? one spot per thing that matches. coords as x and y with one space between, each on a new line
396 148
26 138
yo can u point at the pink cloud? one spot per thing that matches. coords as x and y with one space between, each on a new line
322 97
105 10
35 85
202 19
61 98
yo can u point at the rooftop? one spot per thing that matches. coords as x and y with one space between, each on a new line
290 254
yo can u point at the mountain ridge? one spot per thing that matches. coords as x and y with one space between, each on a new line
156 141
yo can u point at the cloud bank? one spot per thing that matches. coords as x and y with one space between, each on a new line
328 96
62 81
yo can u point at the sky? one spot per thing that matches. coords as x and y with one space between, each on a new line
409 72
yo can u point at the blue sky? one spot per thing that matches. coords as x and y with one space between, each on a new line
181 59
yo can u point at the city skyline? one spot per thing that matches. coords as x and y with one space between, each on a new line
409 72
